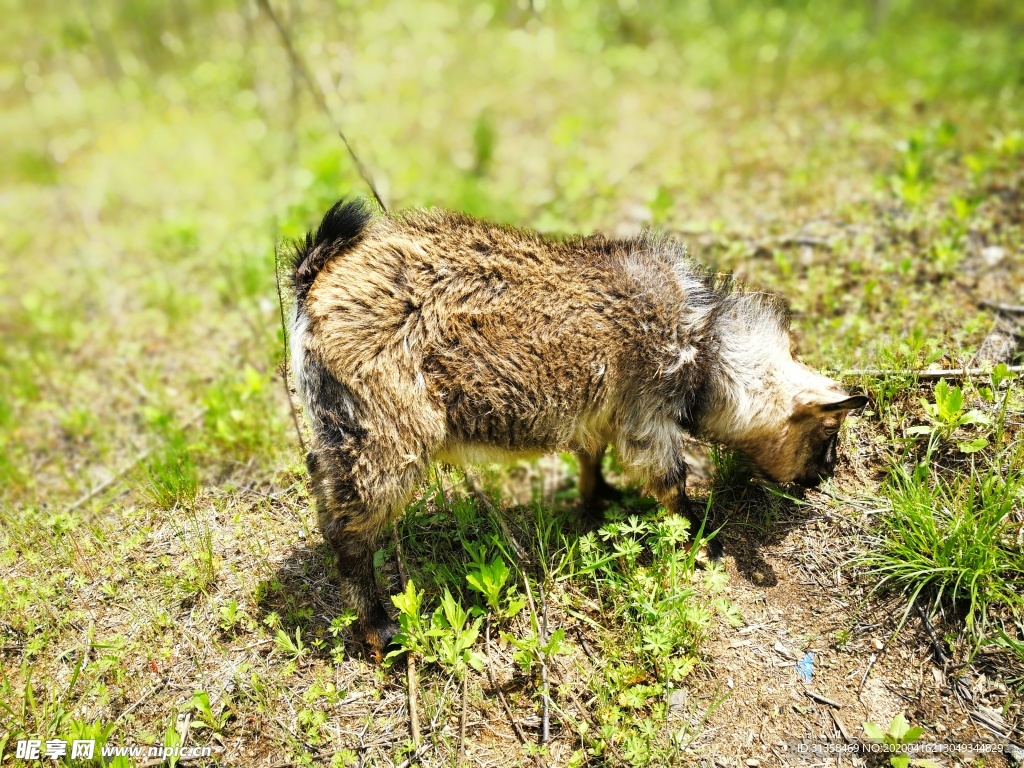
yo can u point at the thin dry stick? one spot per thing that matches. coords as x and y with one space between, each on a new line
287 369
545 718
841 726
1010 309
411 672
928 375
501 696
871 662
91 494
156 688
462 718
560 678
822 699
541 632
318 96
496 515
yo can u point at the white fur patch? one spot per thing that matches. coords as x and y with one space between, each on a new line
297 347
683 356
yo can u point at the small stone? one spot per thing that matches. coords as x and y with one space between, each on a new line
752 762
677 700
993 254
782 650
878 644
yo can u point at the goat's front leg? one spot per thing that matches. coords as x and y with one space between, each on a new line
670 490
658 454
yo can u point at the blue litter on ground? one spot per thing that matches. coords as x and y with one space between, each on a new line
805 667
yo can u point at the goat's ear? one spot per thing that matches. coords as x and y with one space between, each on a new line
849 404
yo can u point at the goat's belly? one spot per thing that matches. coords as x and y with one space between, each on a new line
467 454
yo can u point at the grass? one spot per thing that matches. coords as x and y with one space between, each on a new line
952 542
171 478
951 530
864 161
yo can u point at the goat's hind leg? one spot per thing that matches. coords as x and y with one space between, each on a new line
352 529
595 492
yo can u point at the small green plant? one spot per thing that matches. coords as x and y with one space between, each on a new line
39 714
914 173
197 540
240 414
947 414
446 639
310 717
531 652
946 253
172 739
205 716
645 580
455 635
343 758
342 622
897 737
489 580
296 649
413 636
230 615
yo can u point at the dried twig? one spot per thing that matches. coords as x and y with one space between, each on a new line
540 626
495 513
462 718
411 672
583 643
545 717
822 699
764 246
143 698
840 726
501 696
929 374
871 662
1010 309
940 655
286 371
91 494
581 707
318 95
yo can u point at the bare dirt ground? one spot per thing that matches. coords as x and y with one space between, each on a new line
799 596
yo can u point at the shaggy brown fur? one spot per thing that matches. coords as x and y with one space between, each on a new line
430 335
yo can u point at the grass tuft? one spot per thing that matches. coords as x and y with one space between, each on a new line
951 540
171 477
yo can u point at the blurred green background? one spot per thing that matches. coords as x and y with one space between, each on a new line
154 152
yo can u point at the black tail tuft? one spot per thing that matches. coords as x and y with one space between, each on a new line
342 227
